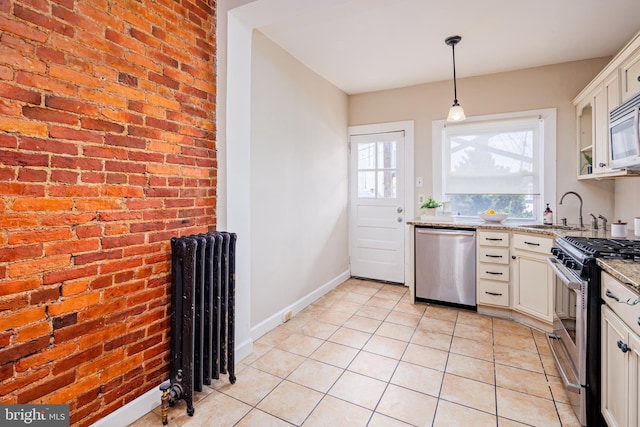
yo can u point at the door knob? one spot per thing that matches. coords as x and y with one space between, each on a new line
399 210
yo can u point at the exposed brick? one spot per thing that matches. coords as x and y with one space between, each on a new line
7 387
44 295
101 125
61 276
103 106
46 83
17 352
74 134
42 389
65 320
67 177
17 286
77 330
24 237
12 92
21 29
73 105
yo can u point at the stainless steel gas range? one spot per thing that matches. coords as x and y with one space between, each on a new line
575 341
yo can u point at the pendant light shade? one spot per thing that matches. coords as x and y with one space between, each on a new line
456 113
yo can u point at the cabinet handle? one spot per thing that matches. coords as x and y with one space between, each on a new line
639 78
623 347
610 294
532 244
493 293
493 256
602 164
493 239
493 272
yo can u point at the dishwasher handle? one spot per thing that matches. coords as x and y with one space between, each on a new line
439 232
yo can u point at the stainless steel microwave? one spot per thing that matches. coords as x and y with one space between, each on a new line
624 135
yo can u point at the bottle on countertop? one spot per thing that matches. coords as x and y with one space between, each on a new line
547 217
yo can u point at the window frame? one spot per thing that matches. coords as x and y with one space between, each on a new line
547 157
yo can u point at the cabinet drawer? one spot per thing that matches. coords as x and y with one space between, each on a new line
527 242
493 293
498 272
491 238
495 255
629 314
630 73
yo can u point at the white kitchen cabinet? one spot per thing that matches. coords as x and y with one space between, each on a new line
630 72
617 82
532 277
585 131
493 268
620 345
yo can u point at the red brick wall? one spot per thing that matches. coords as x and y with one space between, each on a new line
107 150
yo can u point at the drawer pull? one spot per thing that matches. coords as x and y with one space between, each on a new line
493 293
494 239
493 256
623 346
610 294
493 272
532 243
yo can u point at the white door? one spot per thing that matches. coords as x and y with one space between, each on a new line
377 209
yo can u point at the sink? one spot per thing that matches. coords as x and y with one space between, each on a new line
554 227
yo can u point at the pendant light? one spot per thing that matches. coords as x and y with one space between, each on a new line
456 113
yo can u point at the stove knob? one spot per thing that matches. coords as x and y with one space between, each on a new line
571 264
561 256
555 251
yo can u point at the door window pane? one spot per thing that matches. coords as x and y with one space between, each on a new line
367 156
367 184
377 164
386 184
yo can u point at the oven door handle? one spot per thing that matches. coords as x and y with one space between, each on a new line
564 274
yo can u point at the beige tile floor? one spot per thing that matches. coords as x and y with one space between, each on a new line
363 355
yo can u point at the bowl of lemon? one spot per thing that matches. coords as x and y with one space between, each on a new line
491 215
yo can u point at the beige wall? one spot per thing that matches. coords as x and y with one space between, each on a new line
627 202
552 86
299 176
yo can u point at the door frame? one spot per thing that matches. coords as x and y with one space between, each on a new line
409 190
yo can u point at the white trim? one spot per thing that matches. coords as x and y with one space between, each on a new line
133 410
275 320
409 181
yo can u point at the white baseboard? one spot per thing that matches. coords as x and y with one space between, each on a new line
276 319
133 410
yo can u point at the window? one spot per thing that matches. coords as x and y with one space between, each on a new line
498 163
377 169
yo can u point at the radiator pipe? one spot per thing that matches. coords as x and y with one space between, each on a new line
171 393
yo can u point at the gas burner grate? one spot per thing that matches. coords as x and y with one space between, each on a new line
606 248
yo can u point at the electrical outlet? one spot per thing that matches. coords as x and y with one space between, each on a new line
419 181
286 316
421 199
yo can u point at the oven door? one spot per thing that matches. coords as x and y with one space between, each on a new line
568 340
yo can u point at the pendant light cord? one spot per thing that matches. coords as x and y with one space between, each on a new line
455 89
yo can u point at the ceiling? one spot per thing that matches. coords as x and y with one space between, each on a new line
369 45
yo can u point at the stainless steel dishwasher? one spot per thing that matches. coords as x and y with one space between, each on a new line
445 266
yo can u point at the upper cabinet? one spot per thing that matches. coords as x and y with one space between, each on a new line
619 81
630 72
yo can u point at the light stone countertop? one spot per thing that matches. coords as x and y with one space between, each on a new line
626 271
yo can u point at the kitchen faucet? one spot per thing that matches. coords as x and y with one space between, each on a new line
604 222
579 198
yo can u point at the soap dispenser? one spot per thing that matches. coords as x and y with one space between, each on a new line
547 217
